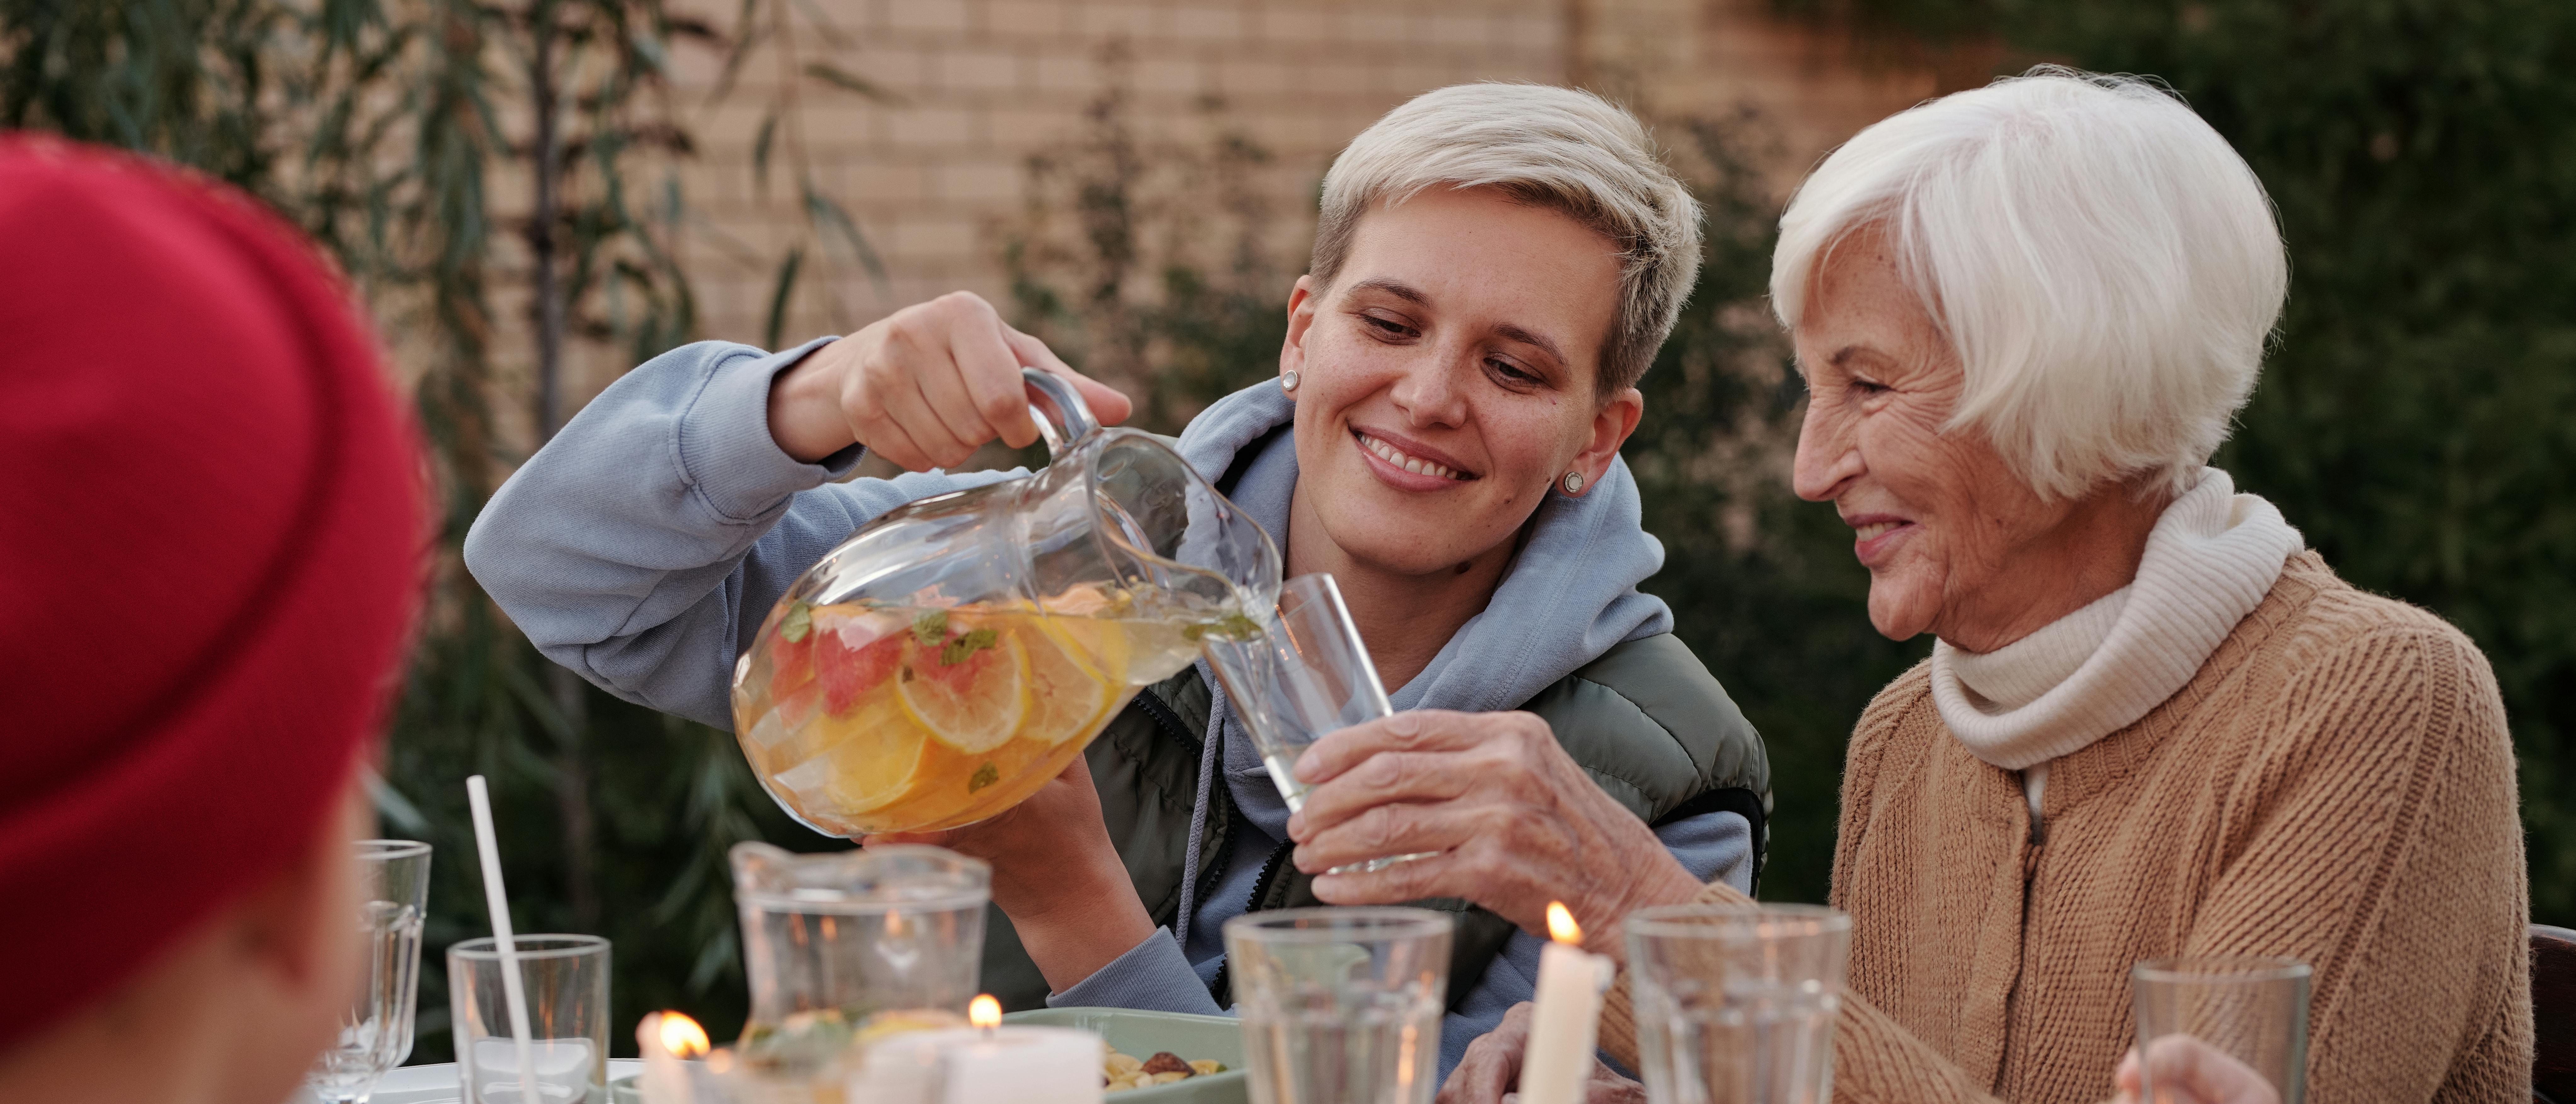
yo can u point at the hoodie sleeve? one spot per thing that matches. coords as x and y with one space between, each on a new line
645 543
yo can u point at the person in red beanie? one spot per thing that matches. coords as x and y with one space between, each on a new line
211 532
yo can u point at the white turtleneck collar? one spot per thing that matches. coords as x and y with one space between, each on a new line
2211 558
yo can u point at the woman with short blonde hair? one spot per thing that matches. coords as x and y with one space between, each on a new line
2153 723
1495 267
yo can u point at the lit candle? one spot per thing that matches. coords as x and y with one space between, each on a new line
1570 984
983 1064
665 1039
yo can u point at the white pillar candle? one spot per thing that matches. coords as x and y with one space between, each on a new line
983 1065
1562 1027
666 1077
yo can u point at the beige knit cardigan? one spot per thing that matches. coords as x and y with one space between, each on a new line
2335 784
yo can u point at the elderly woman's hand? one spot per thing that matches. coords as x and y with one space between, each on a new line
1491 1071
1510 821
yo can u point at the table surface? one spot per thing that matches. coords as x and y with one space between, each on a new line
436 1084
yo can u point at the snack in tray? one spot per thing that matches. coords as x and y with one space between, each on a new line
1125 1071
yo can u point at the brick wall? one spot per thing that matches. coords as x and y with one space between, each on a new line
981 85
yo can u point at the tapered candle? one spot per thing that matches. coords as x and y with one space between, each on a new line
1562 1027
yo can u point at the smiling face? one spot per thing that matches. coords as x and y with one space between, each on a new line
1957 543
1447 379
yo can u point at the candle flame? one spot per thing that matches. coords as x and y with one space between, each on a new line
682 1036
985 1011
1560 924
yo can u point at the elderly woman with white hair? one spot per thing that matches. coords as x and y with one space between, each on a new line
2153 723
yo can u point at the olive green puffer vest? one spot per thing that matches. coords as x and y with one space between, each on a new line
1645 720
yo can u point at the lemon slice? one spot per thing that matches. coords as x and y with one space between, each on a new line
866 759
973 705
1068 694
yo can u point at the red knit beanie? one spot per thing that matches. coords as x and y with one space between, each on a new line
211 536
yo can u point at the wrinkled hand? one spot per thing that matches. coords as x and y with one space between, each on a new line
2189 1071
1056 874
922 387
1514 822
1491 1071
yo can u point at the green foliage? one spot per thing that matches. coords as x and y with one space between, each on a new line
1147 264
2417 418
1763 587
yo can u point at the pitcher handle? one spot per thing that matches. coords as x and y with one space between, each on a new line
1073 420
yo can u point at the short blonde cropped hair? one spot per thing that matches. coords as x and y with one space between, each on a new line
1558 148
2107 268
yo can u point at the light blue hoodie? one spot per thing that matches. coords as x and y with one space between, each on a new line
648 540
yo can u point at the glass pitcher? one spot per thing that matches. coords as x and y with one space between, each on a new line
830 941
955 653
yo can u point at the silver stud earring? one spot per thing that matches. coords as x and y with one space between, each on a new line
1288 382
1574 482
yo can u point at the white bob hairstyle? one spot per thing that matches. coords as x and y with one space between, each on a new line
2104 264
1558 148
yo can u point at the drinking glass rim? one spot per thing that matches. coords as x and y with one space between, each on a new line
1685 921
381 849
1345 924
484 948
2221 968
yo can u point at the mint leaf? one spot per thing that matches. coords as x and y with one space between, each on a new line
799 623
955 651
1232 626
930 628
984 776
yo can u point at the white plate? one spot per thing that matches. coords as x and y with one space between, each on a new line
436 1084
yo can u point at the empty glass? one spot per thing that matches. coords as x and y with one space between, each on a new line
1736 1004
375 1030
2222 1029
1304 676
1340 1005
566 981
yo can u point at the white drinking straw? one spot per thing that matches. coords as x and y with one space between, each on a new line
513 991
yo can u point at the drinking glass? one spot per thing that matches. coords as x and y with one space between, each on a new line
1306 675
1340 1005
375 1028
2222 1029
565 978
1735 1004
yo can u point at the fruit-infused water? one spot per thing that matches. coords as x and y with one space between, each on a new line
877 717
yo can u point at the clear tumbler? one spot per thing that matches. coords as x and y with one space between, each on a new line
375 1030
1736 1004
2223 1029
1304 676
1340 1005
565 980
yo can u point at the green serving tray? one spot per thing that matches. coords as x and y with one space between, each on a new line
1143 1033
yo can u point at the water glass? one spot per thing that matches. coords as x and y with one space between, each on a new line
565 978
1340 1005
375 1028
1306 675
1735 1004
2222 1029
